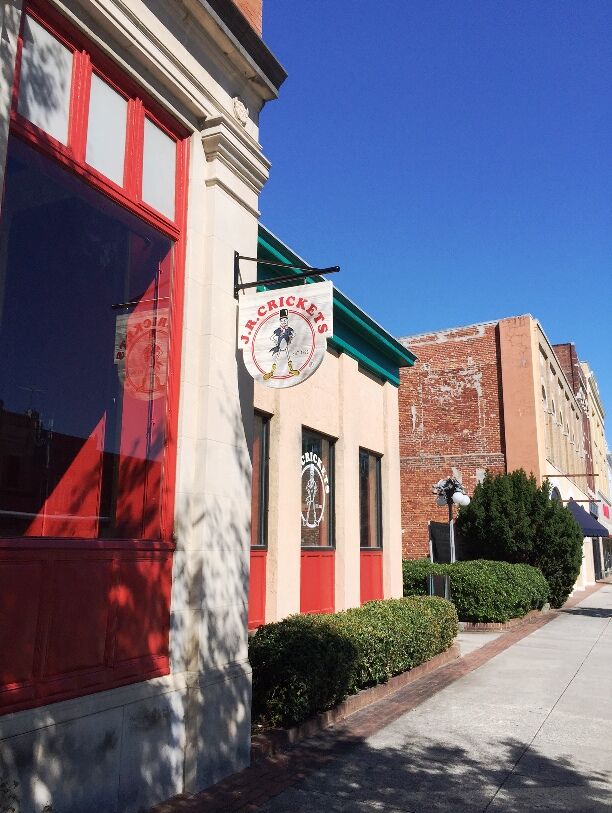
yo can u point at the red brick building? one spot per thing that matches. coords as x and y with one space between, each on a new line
493 396
450 421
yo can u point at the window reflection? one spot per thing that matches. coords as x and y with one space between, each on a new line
84 306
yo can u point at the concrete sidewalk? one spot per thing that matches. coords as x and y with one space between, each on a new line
529 730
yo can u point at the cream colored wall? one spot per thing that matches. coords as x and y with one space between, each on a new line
356 410
598 433
563 427
523 433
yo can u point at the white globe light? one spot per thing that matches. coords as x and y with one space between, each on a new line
465 500
441 500
458 498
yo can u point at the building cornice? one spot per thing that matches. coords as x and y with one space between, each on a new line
143 48
225 142
249 42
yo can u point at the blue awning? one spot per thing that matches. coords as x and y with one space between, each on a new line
588 524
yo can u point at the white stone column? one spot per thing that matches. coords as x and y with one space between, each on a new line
283 565
213 510
391 497
348 559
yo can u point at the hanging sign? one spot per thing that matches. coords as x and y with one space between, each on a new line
283 334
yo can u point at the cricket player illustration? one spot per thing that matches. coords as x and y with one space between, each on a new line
310 520
282 338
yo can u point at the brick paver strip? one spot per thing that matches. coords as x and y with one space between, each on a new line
266 778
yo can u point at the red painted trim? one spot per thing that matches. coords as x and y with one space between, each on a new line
371 574
317 581
57 672
257 588
51 543
175 341
79 105
132 175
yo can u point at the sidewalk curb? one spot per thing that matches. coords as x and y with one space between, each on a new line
278 739
496 626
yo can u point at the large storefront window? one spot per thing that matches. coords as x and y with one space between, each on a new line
91 267
259 492
317 491
84 330
370 504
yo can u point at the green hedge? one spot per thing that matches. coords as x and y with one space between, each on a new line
310 663
481 590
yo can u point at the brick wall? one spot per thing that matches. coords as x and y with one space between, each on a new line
252 10
451 422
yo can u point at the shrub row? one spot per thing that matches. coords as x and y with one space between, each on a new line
481 590
512 519
310 663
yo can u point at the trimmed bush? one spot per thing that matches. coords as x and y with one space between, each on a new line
310 663
511 519
482 591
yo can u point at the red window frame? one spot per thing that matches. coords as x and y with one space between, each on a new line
87 59
71 644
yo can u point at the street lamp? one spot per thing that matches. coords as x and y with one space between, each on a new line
450 492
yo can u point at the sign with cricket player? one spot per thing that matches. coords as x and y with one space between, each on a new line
283 334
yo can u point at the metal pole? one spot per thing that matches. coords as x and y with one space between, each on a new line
451 530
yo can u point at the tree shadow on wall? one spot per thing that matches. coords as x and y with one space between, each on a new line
125 750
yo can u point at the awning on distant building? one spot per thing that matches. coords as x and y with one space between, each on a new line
588 524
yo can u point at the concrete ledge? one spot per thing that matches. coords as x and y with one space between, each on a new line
270 742
480 626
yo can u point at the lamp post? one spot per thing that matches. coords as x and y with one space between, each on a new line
450 492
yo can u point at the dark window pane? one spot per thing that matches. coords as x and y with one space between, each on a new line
317 491
82 374
370 505
259 493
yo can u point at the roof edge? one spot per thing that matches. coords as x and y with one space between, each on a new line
358 319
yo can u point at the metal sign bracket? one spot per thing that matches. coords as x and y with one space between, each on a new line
305 272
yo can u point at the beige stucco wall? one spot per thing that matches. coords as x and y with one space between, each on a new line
522 421
542 417
356 410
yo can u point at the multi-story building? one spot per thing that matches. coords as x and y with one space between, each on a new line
494 396
131 170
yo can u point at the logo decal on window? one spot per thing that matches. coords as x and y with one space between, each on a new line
315 486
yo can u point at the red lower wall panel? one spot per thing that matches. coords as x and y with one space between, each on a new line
257 589
371 575
317 581
80 617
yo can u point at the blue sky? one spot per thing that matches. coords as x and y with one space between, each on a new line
455 158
